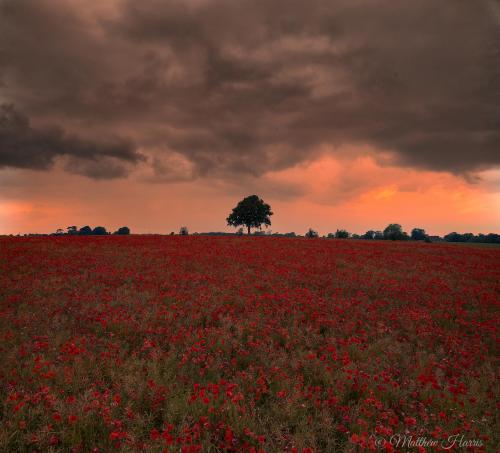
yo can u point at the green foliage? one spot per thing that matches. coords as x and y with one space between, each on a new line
99 231
123 230
85 231
311 233
341 234
491 238
371 234
250 212
394 232
418 234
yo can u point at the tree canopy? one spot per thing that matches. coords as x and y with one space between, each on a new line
394 232
99 231
341 234
250 212
418 234
85 231
122 230
311 233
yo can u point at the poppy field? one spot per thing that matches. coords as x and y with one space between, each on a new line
251 344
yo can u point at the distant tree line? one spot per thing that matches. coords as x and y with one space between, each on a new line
253 212
394 232
88 231
490 238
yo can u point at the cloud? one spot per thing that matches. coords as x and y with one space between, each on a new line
230 88
23 146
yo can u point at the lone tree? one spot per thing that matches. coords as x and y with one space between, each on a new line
251 212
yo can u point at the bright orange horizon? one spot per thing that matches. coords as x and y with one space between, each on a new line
317 195
339 114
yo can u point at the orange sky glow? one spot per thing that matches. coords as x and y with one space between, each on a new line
324 194
160 114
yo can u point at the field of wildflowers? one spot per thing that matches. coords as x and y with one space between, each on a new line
210 344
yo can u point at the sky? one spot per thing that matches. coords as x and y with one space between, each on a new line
338 113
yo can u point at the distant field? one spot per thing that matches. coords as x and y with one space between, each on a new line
472 244
256 344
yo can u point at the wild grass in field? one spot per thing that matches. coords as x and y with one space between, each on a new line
244 344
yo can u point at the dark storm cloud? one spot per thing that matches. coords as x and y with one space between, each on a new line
255 85
23 146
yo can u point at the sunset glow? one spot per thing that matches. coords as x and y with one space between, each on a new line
327 193
161 114
250 226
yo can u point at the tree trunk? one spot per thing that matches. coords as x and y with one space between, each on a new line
248 229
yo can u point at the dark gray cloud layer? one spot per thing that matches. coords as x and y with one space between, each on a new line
255 85
25 147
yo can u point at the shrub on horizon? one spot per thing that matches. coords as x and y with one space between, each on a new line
99 231
394 232
85 231
122 231
418 234
311 233
341 234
